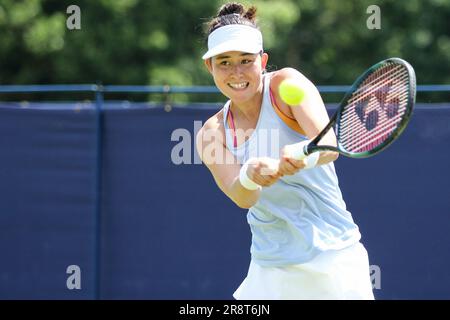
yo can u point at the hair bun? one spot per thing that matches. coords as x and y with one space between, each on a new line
232 13
250 14
231 8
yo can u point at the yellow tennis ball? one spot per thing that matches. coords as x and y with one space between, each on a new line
291 92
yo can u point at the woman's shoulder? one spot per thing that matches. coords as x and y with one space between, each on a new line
213 130
213 126
276 77
215 122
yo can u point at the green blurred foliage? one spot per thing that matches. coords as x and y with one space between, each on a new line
161 41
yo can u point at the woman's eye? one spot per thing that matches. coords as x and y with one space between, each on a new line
224 63
246 61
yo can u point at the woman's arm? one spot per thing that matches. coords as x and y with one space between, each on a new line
224 167
311 114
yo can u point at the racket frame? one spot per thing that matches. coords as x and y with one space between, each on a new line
334 121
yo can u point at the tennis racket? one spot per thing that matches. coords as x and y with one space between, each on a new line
372 114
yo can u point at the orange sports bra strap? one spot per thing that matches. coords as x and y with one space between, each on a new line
290 122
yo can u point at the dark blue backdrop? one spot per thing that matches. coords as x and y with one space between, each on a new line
165 231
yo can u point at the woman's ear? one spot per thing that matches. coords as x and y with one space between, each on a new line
208 65
264 60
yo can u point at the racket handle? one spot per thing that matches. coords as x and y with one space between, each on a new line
297 150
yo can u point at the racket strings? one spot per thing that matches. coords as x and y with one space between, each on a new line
351 120
369 86
377 128
382 122
375 109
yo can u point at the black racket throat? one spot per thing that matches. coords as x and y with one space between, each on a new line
314 146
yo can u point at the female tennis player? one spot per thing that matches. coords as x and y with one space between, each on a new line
305 244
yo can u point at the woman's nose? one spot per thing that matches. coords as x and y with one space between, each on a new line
236 69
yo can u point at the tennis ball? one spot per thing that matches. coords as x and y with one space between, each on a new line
291 92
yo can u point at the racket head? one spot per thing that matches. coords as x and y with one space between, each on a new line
376 109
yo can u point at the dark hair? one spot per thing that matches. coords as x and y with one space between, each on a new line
232 13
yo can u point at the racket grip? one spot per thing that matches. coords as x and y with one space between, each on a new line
297 150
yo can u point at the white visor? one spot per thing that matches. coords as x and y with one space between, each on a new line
234 37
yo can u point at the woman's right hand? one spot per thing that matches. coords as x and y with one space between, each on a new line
264 171
289 165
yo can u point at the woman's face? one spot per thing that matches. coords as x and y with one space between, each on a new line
238 75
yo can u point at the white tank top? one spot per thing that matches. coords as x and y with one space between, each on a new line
301 215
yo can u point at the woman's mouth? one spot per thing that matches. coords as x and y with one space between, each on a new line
238 85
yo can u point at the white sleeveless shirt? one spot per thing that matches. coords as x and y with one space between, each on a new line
301 215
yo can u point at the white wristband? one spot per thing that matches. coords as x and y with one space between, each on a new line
311 160
245 181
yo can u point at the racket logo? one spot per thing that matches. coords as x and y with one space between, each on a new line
370 119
